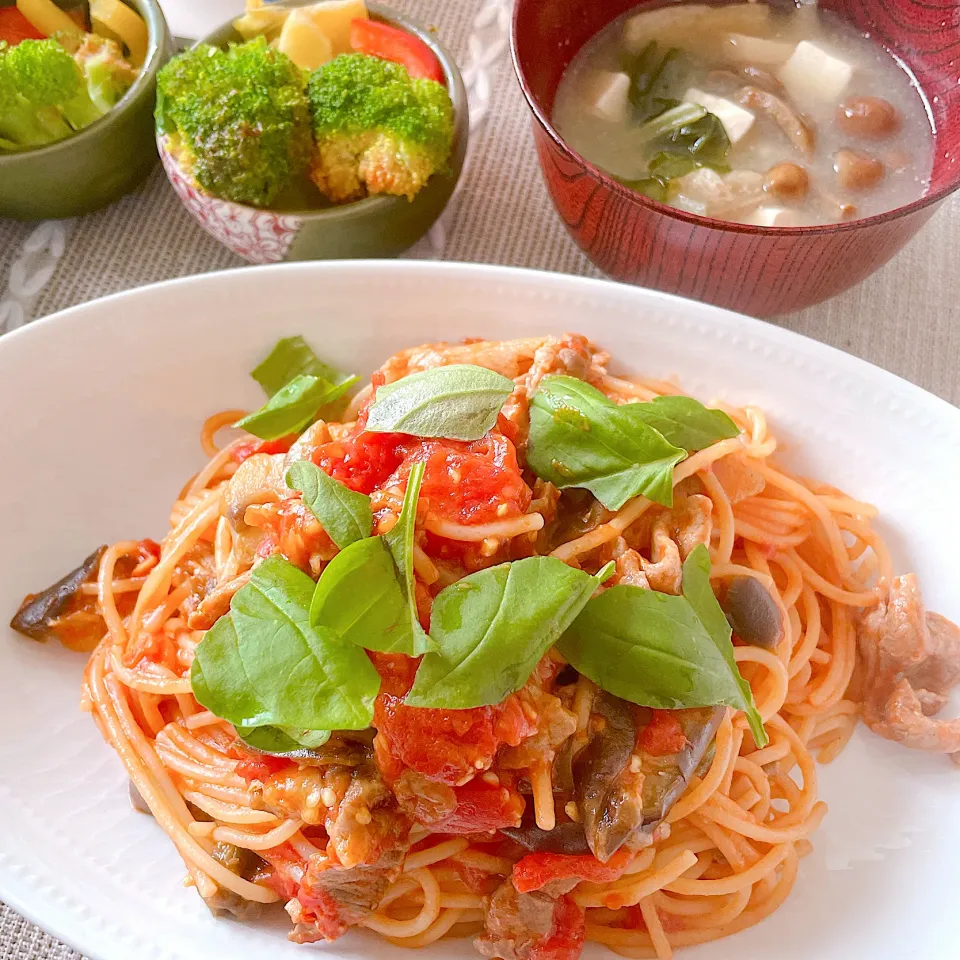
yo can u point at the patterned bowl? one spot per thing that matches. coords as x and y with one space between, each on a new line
763 271
99 164
379 226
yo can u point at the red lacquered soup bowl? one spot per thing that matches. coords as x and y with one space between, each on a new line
763 271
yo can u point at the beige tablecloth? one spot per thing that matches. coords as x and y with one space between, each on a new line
906 318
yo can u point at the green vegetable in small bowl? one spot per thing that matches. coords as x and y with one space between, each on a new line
376 128
75 115
237 119
356 157
47 94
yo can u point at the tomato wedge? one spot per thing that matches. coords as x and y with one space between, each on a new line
14 27
536 870
389 43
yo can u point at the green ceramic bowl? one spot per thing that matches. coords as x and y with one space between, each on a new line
302 229
99 164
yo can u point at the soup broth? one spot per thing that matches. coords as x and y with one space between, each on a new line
749 114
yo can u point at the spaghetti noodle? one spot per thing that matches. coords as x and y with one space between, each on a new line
253 829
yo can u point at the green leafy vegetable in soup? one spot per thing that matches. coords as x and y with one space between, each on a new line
751 112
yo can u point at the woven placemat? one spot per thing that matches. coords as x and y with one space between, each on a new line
906 318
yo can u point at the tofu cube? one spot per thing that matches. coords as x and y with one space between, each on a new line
736 120
607 93
742 48
812 76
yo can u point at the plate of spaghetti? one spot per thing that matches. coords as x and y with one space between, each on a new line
476 611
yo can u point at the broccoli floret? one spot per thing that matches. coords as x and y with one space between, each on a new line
46 95
109 76
239 119
29 94
377 130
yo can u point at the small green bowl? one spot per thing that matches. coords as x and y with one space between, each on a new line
102 162
379 226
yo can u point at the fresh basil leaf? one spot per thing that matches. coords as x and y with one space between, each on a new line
344 514
458 402
685 422
400 544
699 594
294 406
654 649
292 357
492 628
359 597
282 740
307 677
220 682
579 438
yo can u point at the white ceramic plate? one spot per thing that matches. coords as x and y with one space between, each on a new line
102 406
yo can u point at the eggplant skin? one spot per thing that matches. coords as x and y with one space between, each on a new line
666 778
38 611
621 805
605 792
568 838
753 614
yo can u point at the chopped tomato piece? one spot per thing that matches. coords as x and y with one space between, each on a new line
663 735
14 27
448 746
285 869
147 555
390 43
476 481
481 808
259 766
290 526
536 870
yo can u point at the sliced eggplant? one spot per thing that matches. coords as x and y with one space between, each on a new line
568 838
752 613
666 778
39 612
245 864
346 748
609 810
563 768
620 802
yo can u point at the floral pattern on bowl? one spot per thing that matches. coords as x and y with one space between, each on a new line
259 236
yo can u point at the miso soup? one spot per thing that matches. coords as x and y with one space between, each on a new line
749 113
